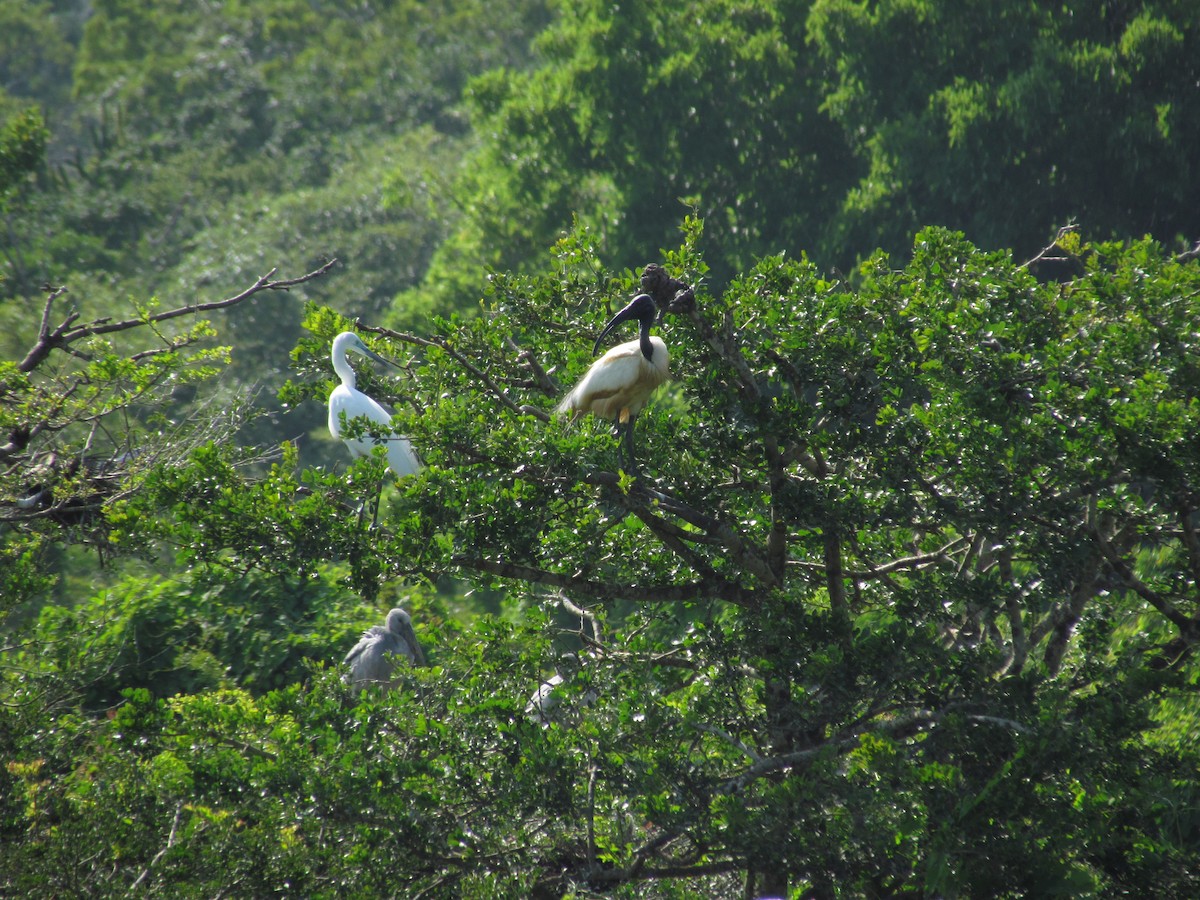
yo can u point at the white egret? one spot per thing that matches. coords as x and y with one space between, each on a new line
346 403
545 706
373 659
619 384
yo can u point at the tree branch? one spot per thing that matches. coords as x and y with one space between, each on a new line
777 540
1190 540
899 728
544 382
498 392
584 614
1187 255
725 347
871 573
62 336
1019 649
654 593
729 739
1143 590
161 853
1044 253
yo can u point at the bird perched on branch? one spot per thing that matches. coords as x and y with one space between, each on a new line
619 384
674 295
545 707
373 659
347 402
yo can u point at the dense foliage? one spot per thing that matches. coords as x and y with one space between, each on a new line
900 598
836 127
900 602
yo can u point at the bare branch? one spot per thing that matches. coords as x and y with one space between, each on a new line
898 728
64 335
591 815
1062 620
1044 253
53 294
1190 540
913 563
584 614
545 383
835 580
159 855
1011 724
729 739
1019 649
1187 255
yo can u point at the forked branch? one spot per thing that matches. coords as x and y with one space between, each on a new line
66 333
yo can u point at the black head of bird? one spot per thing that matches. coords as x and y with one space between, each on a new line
642 309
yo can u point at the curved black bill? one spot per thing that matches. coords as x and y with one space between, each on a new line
640 307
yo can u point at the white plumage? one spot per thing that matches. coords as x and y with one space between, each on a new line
618 385
347 401
373 659
545 707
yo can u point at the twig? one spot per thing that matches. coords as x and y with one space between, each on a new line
471 368
587 614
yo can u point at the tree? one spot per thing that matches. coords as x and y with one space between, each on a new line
203 145
22 150
835 127
901 602
636 116
1056 114
35 55
83 419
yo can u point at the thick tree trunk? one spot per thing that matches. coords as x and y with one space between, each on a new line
772 882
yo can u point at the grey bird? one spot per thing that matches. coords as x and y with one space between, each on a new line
372 661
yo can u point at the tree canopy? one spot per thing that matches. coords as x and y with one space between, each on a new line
834 127
897 598
905 571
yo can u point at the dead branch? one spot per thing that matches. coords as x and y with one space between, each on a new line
1187 255
64 335
1043 255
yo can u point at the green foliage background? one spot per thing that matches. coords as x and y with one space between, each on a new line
902 600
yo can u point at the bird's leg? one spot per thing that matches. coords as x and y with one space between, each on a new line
627 421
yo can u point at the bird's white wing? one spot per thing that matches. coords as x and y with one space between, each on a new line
605 377
621 379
